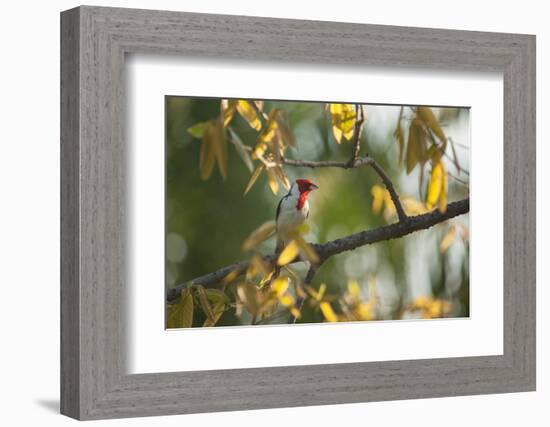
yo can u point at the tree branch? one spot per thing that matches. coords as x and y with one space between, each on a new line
307 281
357 163
389 185
402 228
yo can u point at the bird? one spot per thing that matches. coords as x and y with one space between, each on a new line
292 211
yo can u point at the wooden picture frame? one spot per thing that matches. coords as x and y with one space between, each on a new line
94 382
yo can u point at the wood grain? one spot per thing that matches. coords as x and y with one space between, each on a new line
94 380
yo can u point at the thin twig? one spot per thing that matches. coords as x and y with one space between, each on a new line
338 246
307 281
389 186
358 163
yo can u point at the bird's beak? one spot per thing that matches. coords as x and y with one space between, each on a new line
313 187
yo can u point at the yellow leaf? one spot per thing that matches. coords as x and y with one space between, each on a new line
263 232
259 150
270 132
253 179
443 197
321 293
431 308
447 240
307 249
343 121
295 312
416 149
337 132
228 107
428 117
280 285
286 300
364 311
354 289
412 206
207 155
282 177
272 180
284 129
435 187
289 253
247 111
215 132
378 196
328 312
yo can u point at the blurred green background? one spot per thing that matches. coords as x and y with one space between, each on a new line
207 221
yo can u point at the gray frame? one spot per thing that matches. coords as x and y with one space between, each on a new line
94 41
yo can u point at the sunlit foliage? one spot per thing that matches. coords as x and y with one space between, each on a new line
262 136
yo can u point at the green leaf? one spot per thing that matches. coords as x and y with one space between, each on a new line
215 296
197 130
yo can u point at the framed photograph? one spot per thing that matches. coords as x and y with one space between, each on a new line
262 213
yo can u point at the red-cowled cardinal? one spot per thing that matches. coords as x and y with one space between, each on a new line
292 211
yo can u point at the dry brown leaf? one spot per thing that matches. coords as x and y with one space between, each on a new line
416 148
428 117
